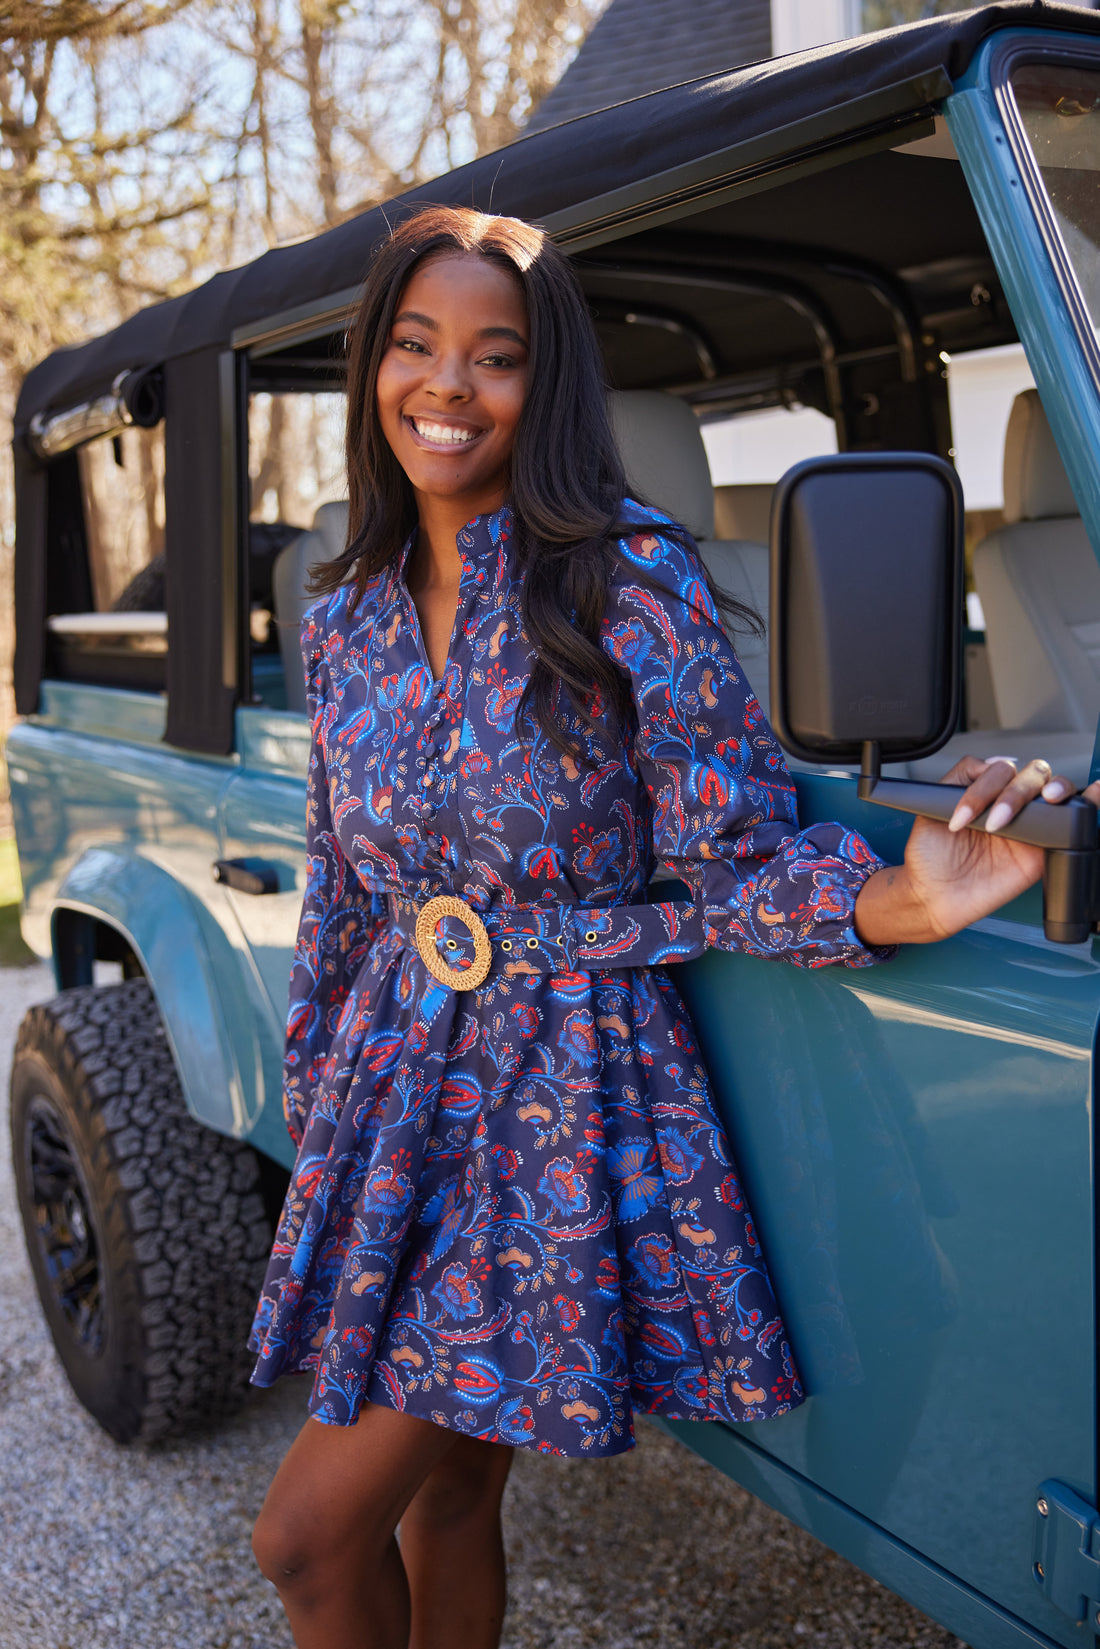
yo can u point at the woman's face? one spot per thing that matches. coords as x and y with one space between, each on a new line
452 380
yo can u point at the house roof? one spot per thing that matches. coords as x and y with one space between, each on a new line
581 178
640 46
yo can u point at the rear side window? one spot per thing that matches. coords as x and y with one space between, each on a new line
122 486
113 628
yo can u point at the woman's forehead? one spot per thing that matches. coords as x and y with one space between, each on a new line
452 277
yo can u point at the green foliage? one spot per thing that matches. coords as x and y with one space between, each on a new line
13 952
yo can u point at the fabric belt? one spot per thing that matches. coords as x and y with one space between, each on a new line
464 947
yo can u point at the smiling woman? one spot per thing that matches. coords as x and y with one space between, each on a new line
451 387
515 1218
564 476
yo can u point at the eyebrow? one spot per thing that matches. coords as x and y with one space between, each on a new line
486 331
503 332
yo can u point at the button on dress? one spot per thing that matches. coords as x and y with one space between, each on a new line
514 1210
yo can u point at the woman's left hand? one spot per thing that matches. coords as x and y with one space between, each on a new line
953 876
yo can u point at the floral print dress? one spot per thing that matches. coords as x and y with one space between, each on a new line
514 1211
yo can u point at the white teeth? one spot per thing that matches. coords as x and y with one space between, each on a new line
443 433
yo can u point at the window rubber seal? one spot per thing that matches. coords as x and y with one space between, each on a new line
1011 55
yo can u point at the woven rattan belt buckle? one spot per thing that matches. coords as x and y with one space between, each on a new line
427 920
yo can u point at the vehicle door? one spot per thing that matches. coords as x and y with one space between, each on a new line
262 839
917 1137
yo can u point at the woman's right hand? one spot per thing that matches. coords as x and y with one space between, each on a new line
953 875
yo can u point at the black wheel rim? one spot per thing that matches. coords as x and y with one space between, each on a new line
63 1225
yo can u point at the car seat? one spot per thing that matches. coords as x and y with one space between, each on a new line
1039 585
290 583
661 445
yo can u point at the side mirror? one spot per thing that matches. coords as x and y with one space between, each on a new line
866 603
866 649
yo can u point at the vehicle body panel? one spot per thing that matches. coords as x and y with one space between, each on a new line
262 818
916 1144
113 825
978 1620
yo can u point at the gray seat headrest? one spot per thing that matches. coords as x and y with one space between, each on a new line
331 522
662 450
290 582
1036 486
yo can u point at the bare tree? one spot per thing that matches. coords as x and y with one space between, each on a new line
390 94
86 197
319 35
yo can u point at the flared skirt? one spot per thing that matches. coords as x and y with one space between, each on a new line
514 1212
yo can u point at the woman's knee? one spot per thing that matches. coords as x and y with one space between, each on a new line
338 1494
295 1547
283 1547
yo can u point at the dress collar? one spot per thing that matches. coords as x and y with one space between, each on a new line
479 542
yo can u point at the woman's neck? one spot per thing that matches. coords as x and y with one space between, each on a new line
434 570
438 564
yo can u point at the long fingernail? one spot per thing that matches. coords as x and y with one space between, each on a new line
961 817
1054 790
998 816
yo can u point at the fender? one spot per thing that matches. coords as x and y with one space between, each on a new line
216 1053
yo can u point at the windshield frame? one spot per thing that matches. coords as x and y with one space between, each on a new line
1007 58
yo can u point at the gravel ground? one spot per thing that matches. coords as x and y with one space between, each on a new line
112 1548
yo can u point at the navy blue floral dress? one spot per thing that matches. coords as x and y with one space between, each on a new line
514 1211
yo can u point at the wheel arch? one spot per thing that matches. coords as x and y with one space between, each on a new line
116 905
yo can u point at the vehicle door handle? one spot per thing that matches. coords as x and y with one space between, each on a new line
246 875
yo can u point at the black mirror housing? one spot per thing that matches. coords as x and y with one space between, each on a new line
866 606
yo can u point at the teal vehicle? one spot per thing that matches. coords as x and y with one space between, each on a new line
828 232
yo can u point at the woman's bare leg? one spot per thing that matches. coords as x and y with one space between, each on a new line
325 1533
453 1551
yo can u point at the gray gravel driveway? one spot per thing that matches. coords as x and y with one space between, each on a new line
112 1548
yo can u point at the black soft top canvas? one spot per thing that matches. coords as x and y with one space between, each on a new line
557 170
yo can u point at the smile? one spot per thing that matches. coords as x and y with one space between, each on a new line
442 436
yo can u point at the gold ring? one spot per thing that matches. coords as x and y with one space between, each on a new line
428 918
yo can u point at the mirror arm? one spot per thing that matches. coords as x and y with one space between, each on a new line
1068 833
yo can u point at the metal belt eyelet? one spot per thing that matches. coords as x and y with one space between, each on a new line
452 944
505 944
591 936
428 919
532 944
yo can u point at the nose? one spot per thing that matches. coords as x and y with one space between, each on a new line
449 380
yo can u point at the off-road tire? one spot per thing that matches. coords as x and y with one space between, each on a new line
146 1232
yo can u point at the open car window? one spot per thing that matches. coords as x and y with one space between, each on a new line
118 635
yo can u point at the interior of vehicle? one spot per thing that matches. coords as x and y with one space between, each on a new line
847 292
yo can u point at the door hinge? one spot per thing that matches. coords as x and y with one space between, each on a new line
1066 1563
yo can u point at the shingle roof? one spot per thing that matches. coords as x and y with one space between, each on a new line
644 45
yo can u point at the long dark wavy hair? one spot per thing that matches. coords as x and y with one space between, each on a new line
566 484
